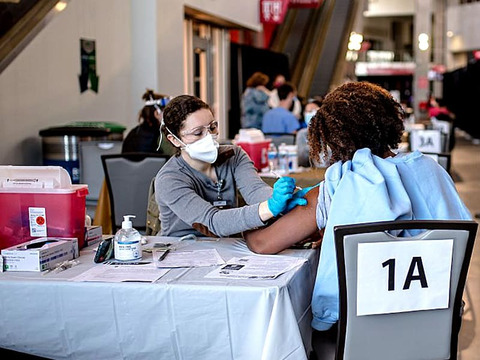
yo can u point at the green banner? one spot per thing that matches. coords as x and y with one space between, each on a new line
88 62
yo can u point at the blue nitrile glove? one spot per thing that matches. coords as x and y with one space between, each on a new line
298 198
282 192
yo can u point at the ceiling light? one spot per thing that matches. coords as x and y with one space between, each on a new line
61 5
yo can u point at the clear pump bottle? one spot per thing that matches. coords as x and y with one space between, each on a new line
272 157
127 242
282 159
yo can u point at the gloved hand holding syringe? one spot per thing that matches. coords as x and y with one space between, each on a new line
298 197
278 177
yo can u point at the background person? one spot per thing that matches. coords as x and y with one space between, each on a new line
274 101
144 137
361 123
255 101
196 190
301 139
438 111
280 119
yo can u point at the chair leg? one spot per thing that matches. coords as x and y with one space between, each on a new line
324 344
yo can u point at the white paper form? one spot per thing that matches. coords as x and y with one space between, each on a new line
122 273
255 266
188 258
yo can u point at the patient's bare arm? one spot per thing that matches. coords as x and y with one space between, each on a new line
298 225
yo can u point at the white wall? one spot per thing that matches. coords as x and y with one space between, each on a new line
139 44
40 87
171 65
243 12
390 8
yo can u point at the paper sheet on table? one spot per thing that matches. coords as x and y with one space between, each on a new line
190 258
122 273
250 267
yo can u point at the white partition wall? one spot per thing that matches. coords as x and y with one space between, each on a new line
139 44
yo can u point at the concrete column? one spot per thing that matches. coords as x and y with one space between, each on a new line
144 54
422 24
439 36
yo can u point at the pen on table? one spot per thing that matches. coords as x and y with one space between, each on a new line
278 177
164 255
127 263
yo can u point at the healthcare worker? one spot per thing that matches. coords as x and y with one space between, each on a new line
196 190
145 136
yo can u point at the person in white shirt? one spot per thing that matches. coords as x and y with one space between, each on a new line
274 101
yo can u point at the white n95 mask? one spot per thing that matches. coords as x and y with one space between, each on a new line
205 149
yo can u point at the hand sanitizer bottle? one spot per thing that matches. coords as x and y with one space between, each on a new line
127 242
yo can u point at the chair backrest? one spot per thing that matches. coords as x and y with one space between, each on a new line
401 297
128 178
91 171
446 127
278 138
153 224
431 140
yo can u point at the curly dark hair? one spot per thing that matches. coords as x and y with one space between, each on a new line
177 111
356 115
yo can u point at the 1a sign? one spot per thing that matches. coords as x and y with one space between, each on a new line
401 276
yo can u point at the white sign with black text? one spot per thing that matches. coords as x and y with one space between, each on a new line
426 141
401 276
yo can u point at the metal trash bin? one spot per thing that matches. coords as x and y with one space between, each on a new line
60 145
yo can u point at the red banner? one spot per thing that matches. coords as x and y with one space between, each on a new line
304 3
273 11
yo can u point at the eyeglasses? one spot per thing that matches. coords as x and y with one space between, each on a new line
201 131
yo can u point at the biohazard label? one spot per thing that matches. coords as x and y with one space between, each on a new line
38 221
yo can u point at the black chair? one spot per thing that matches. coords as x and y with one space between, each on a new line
399 321
128 178
91 171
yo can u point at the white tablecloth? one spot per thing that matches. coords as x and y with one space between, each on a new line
181 316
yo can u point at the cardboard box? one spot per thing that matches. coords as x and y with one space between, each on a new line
39 254
40 201
93 235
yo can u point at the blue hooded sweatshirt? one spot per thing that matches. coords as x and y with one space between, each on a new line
366 189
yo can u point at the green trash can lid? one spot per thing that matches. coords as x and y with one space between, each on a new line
74 131
111 126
